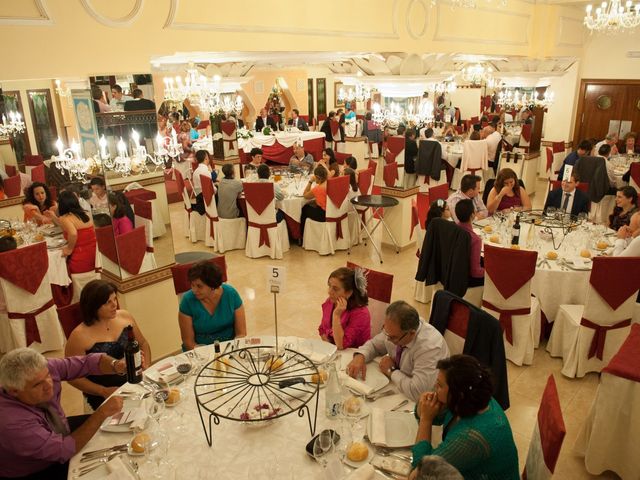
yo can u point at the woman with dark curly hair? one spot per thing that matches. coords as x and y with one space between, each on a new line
507 193
211 310
346 321
476 437
626 207
38 204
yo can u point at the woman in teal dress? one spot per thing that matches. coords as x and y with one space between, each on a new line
211 310
476 436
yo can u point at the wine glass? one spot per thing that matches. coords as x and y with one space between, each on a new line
322 447
156 403
184 364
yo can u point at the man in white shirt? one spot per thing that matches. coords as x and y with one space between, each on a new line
202 157
628 242
118 98
469 190
611 140
298 122
493 139
411 350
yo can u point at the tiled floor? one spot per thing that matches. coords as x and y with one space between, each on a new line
299 314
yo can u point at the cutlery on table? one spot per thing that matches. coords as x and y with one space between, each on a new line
103 450
390 452
80 471
400 405
99 455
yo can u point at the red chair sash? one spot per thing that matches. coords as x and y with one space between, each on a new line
106 242
12 186
414 220
30 323
506 317
422 206
337 189
335 127
259 195
37 174
364 181
509 269
140 194
390 174
11 170
228 127
212 221
207 189
264 232
341 157
25 267
372 166
179 180
600 335
439 192
549 158
615 278
142 208
557 147
314 147
390 157
33 160
626 363
526 132
458 322
635 173
132 247
338 222
551 425
395 144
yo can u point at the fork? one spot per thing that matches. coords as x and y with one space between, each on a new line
80 471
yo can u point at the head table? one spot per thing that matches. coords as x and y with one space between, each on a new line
270 449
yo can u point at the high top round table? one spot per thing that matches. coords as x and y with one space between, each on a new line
376 203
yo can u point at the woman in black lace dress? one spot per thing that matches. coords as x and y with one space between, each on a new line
103 331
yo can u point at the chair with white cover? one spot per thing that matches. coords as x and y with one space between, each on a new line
125 255
547 438
194 222
265 237
332 234
31 319
634 179
513 160
558 150
525 136
221 233
421 292
587 336
229 138
475 161
180 271
143 212
379 287
336 134
610 432
507 296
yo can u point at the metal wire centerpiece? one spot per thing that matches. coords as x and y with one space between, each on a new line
256 384
551 222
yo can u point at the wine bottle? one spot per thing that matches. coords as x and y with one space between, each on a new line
219 366
515 232
133 357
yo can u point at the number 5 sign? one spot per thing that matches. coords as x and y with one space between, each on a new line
276 279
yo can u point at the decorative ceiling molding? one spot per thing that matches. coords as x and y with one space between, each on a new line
425 23
42 20
561 28
218 27
125 21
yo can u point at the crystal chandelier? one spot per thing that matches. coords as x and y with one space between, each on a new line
190 88
167 147
514 99
70 161
123 163
395 114
478 74
357 93
613 17
215 102
62 92
14 127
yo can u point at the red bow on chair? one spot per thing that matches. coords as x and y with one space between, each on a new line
264 232
30 323
212 221
338 222
506 318
600 335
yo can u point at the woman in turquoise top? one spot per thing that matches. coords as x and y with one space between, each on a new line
211 310
476 438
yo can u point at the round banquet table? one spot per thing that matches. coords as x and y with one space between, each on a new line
279 146
452 152
238 450
554 282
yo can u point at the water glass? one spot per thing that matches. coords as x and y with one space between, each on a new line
322 447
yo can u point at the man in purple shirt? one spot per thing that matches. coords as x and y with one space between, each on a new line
36 440
465 212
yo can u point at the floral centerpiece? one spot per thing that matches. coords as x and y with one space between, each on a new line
244 133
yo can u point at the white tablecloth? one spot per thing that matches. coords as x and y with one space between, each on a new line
286 139
452 152
272 450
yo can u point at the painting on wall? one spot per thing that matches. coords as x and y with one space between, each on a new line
336 90
85 122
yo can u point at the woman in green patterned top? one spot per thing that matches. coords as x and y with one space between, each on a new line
476 437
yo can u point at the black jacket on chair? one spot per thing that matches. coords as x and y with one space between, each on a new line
429 161
580 201
484 340
594 171
444 256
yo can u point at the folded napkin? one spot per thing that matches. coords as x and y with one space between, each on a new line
377 433
354 384
365 472
392 465
164 373
118 470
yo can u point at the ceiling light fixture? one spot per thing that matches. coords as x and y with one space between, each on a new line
613 17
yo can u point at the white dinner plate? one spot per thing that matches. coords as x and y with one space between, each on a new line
154 444
375 378
400 429
359 464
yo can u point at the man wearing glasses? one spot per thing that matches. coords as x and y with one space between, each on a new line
411 351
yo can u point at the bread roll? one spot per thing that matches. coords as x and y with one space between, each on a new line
585 253
138 442
320 378
353 405
274 363
358 452
515 247
494 238
488 229
602 245
552 255
174 396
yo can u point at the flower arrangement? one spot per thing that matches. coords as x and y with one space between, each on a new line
266 131
244 133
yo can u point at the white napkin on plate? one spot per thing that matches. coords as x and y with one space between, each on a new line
377 433
118 470
354 384
365 472
165 372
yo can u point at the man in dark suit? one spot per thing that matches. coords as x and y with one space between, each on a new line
138 102
568 198
265 120
297 121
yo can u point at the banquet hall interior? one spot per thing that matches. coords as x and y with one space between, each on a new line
534 70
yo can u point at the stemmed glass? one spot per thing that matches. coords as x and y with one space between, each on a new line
156 404
322 447
184 364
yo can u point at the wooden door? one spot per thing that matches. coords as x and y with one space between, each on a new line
600 102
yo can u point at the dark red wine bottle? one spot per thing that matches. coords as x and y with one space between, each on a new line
133 357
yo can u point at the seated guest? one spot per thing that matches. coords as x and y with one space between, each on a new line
99 199
256 160
7 242
101 220
330 163
263 176
605 152
202 157
118 98
139 102
316 210
229 189
469 190
353 182
326 127
493 139
352 163
81 194
346 321
301 160
38 205
99 104
628 242
211 310
475 135
568 198
583 149
438 209
507 193
265 120
36 438
611 140
626 207
448 132
434 467
477 437
79 232
630 146
121 219
298 122
466 216
410 155
103 330
410 348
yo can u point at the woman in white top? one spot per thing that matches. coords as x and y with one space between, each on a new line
628 242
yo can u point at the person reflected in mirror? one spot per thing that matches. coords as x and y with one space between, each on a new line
139 102
99 200
78 230
211 310
99 103
103 330
118 98
122 217
203 169
38 205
